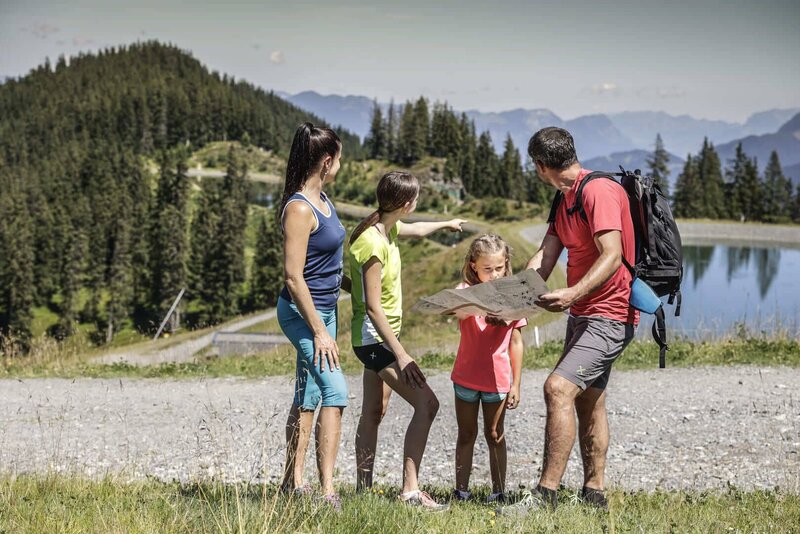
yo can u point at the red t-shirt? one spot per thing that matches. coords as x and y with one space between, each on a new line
483 362
606 205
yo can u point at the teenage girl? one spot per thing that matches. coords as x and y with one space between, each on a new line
486 371
377 317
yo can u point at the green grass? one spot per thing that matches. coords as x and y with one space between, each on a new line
281 360
214 156
70 504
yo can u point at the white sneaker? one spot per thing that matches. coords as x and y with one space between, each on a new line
531 501
423 500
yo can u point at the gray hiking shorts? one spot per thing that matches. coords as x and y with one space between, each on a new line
591 346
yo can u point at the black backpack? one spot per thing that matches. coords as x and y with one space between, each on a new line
659 254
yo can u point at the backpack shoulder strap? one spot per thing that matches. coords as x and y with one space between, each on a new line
578 206
660 336
557 198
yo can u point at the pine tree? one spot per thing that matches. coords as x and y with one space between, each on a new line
439 134
169 243
468 147
391 132
226 263
536 191
422 129
375 142
47 239
659 169
709 172
510 175
745 199
73 275
267 279
120 286
486 168
408 151
777 192
796 205
205 222
16 264
687 199
138 187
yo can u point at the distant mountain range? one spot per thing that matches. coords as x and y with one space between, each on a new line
786 141
626 136
352 112
632 160
793 172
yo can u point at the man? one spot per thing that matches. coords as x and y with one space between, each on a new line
601 322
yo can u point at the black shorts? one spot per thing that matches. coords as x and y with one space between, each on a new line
375 357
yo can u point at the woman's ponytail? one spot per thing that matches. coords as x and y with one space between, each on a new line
395 190
309 146
371 219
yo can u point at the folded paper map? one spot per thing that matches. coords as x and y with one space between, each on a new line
509 298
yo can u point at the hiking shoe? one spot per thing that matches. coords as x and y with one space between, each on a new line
333 500
459 495
497 498
594 497
531 501
423 500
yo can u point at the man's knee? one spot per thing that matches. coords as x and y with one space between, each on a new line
590 403
559 391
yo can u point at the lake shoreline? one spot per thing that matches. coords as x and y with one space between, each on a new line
732 233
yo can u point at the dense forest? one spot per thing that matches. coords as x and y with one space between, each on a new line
101 225
413 131
96 222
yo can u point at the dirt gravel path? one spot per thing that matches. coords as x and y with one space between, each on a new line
698 428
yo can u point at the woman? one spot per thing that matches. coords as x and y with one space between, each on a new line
313 239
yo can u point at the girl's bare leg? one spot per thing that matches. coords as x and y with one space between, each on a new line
373 408
425 405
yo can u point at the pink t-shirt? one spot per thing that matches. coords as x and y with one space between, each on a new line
483 362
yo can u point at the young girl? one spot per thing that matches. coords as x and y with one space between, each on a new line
377 317
486 371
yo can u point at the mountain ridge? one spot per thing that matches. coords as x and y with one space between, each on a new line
629 130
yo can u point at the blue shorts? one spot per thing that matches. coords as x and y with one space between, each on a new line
311 385
473 395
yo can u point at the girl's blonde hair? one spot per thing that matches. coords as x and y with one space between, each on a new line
485 244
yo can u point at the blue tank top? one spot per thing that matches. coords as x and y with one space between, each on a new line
323 268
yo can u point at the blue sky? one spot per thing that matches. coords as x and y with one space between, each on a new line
707 58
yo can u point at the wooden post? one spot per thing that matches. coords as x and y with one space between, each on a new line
169 313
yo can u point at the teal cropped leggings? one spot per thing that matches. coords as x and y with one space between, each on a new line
312 385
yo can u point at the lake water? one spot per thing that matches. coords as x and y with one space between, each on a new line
727 287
